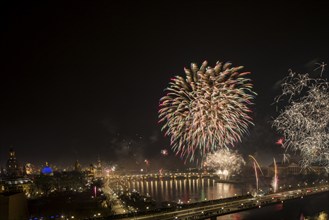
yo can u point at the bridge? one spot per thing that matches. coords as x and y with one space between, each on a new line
168 175
212 209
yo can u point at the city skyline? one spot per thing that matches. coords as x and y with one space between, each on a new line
79 81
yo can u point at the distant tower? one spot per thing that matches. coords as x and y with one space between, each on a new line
77 166
99 170
13 168
91 173
99 163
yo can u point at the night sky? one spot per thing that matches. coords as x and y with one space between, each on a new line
81 80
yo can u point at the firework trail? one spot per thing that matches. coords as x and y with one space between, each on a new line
275 178
206 110
304 121
256 163
225 162
285 157
256 176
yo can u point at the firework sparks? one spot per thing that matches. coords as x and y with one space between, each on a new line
285 157
304 122
321 66
256 176
164 152
206 110
225 162
280 142
147 162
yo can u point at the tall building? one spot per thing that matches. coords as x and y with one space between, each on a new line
13 168
77 166
99 170
91 172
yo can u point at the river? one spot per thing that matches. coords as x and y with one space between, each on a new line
315 207
186 190
194 190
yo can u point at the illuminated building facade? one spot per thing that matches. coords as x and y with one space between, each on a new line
13 168
99 170
292 168
46 170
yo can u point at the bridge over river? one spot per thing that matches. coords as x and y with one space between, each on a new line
212 209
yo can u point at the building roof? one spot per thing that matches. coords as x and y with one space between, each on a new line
47 170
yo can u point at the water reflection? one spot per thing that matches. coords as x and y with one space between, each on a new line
186 190
199 189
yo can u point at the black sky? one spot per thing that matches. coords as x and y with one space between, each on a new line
82 79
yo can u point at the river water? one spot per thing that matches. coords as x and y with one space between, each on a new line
194 190
186 190
315 207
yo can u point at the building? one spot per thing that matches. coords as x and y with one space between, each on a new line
77 166
13 206
91 172
21 184
292 169
99 169
47 171
13 168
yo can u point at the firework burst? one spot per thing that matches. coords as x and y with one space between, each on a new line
225 162
304 122
206 110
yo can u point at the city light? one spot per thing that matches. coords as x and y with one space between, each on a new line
183 110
